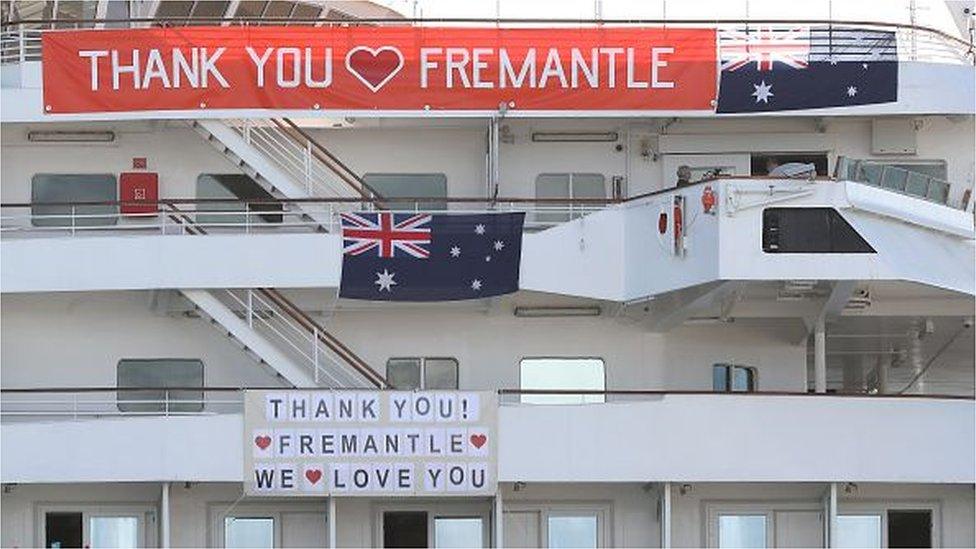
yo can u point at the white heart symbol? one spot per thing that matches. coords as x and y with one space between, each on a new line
374 53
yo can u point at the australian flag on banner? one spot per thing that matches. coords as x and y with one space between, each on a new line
780 69
390 256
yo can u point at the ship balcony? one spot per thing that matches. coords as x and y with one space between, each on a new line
196 435
597 249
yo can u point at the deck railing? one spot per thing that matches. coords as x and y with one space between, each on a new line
21 39
221 216
32 404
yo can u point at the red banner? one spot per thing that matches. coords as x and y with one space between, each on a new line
360 68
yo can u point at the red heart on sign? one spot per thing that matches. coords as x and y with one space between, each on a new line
478 440
313 475
374 67
262 441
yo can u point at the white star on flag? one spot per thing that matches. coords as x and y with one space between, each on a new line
499 245
476 284
851 91
479 228
385 280
455 251
763 92
487 258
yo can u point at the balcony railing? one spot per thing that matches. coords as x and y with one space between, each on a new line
107 402
221 216
21 39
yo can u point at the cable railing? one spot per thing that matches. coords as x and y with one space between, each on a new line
85 403
264 216
917 43
304 159
76 403
306 343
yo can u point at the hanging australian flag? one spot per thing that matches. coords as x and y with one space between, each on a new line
780 69
390 256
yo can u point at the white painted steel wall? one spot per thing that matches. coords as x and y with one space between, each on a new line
742 438
94 330
683 438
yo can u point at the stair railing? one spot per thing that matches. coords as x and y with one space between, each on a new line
322 348
304 160
269 318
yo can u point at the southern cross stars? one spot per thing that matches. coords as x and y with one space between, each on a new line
455 251
499 245
851 91
476 285
385 280
479 229
763 92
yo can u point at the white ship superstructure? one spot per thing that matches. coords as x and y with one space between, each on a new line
776 351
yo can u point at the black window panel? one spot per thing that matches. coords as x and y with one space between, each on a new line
810 230
405 529
157 374
759 163
62 529
910 528
245 188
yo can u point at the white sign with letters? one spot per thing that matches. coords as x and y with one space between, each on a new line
370 443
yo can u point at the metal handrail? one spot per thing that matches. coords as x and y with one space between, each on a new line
952 47
305 344
246 20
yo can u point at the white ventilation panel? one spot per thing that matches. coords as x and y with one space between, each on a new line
893 136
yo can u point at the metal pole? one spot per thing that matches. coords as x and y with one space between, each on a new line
164 540
832 516
884 362
73 219
499 519
666 516
332 522
820 356
250 308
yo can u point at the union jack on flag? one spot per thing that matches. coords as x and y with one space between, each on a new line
765 46
387 233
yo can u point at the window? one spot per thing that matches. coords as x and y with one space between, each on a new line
567 531
405 529
741 531
410 185
556 525
51 187
121 532
859 531
159 374
96 525
732 378
560 374
407 374
762 164
910 528
249 532
63 529
458 532
567 185
924 179
234 187
810 230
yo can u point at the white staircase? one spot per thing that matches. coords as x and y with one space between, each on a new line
284 160
270 334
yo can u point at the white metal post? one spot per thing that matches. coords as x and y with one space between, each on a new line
832 516
315 353
73 219
884 362
666 516
308 167
250 308
499 519
820 356
332 522
164 540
